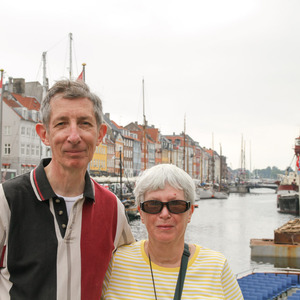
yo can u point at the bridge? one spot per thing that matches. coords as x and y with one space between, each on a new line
272 186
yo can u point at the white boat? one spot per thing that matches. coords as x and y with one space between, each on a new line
204 192
208 192
220 195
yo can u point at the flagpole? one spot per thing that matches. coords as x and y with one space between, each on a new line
1 109
83 74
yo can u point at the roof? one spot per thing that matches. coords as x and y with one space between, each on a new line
30 103
11 103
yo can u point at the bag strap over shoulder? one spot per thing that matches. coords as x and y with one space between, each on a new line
182 272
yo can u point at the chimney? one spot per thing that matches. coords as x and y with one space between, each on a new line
19 86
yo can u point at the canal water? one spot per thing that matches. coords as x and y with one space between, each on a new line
227 225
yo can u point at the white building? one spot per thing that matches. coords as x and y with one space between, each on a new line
21 146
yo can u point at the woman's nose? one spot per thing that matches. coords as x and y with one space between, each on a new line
164 212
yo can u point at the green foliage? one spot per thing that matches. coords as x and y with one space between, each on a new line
268 172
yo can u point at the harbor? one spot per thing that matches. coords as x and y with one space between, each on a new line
228 225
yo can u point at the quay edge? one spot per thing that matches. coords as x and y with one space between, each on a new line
268 248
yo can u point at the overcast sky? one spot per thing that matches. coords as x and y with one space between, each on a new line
230 68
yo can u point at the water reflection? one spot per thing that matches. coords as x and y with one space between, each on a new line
227 225
278 262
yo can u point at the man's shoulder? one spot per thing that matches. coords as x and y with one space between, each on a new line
104 192
17 181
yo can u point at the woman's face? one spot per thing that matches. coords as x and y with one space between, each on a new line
165 226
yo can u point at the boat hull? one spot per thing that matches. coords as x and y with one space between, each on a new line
220 195
268 248
204 193
288 203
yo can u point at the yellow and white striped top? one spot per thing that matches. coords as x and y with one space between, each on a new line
208 276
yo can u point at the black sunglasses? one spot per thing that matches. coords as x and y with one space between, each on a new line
174 206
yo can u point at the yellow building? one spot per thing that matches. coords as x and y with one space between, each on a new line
99 162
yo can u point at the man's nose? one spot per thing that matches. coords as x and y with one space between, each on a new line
74 135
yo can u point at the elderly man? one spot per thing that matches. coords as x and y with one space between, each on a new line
58 228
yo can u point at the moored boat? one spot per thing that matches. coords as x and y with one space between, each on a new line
204 192
270 284
284 246
288 190
220 194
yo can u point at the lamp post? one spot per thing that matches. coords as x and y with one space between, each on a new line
1 110
121 192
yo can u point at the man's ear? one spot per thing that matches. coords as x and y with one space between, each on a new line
102 133
42 132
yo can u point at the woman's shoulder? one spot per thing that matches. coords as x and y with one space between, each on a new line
206 253
129 249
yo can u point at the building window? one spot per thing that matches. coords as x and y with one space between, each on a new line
22 149
7 130
28 149
22 130
37 151
6 149
28 131
32 150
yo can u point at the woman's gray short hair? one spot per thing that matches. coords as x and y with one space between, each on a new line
157 177
70 90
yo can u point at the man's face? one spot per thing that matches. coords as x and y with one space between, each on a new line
72 133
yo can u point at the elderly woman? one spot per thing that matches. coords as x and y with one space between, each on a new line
164 267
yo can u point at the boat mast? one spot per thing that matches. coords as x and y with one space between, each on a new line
70 61
220 167
144 130
213 161
184 144
121 191
242 161
45 84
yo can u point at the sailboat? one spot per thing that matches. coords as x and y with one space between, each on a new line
219 192
212 190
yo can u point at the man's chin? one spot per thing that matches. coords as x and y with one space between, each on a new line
77 163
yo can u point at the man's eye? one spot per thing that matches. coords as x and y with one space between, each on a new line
86 123
60 124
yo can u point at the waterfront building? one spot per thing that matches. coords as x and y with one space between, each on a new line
137 154
21 146
166 150
183 152
147 151
98 164
140 146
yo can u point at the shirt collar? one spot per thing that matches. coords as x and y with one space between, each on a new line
43 189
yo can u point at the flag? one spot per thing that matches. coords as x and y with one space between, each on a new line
82 74
80 77
298 163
